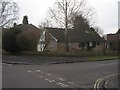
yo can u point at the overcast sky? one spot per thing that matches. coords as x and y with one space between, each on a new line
106 12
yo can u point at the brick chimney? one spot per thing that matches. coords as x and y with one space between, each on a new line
25 20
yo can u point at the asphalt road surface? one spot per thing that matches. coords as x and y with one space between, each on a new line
72 75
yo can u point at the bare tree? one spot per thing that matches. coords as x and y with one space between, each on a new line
99 30
8 12
74 8
45 23
64 13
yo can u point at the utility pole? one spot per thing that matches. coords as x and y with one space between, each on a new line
66 29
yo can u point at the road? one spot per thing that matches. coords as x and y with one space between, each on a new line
72 75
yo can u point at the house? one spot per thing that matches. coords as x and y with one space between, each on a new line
113 41
53 39
30 30
25 26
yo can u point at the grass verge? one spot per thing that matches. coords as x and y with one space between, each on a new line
88 55
101 58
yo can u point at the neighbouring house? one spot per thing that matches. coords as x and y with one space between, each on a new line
25 26
53 39
30 30
113 41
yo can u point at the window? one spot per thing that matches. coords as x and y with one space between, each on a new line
90 44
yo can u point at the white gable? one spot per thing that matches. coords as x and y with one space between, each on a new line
41 44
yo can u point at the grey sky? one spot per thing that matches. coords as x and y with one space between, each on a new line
106 12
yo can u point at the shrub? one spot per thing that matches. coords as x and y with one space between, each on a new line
9 40
99 50
27 40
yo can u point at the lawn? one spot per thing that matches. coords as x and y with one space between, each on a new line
100 58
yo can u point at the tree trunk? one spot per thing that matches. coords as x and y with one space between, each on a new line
66 30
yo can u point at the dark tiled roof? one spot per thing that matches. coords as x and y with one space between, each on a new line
85 35
58 33
75 35
26 27
118 32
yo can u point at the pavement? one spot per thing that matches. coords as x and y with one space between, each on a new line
38 60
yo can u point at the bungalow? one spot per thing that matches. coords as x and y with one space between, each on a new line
53 39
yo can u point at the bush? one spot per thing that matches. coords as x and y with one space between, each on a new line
15 40
27 40
99 50
9 40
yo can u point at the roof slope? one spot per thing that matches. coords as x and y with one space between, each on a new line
58 33
85 35
75 35
26 27
118 32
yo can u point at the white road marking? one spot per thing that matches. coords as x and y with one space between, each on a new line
61 79
73 83
97 83
61 84
52 79
29 71
39 76
48 74
106 83
38 70
49 80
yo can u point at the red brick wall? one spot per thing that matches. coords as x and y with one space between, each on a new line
112 37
